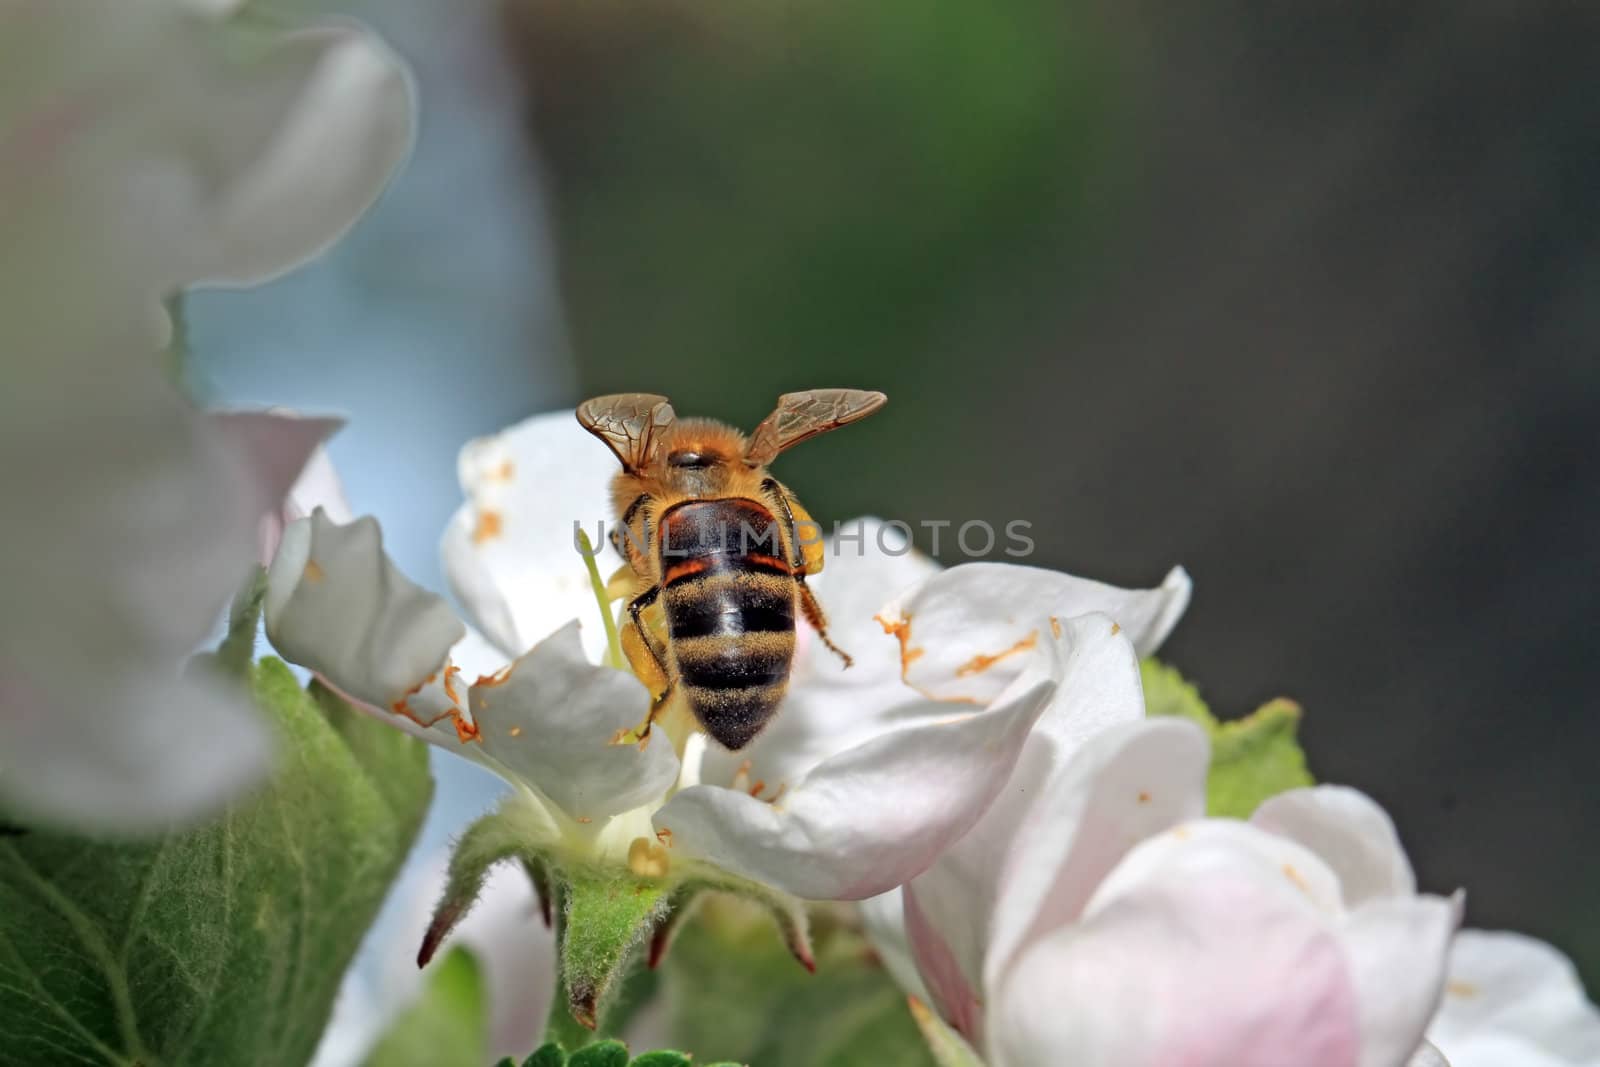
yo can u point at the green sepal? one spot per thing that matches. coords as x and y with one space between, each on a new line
238 649
787 912
447 1026
547 1055
664 1058
600 1054
223 944
495 837
604 918
1252 758
603 1054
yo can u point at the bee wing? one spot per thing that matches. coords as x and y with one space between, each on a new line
629 423
802 415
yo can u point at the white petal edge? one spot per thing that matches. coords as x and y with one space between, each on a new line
336 605
966 632
1427 1056
551 719
1070 810
1514 998
509 552
1350 832
884 920
870 818
346 129
1399 950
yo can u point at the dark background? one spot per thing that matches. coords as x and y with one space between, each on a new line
1303 297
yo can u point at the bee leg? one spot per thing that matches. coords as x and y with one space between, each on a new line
629 547
797 559
647 658
819 622
635 609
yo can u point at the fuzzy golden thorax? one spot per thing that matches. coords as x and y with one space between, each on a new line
698 459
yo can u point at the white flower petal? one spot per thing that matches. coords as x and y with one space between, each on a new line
870 818
152 155
1394 947
1128 783
884 920
1429 1056
966 632
1196 850
862 573
141 524
1212 969
130 139
267 442
1398 948
124 751
1063 820
341 106
279 449
509 552
1512 999
336 605
551 719
829 707
1350 832
319 486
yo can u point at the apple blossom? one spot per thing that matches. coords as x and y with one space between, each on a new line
864 778
145 148
1095 916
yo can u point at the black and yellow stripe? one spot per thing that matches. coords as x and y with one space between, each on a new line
730 604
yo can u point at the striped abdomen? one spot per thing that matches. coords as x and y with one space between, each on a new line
730 613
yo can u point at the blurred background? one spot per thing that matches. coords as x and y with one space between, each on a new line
1302 299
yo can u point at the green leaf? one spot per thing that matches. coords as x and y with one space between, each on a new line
1252 758
1166 692
734 993
222 945
601 1054
447 1027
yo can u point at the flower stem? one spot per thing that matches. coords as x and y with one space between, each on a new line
613 642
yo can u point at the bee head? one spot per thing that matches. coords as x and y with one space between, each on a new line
699 457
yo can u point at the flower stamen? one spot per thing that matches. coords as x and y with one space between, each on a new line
613 640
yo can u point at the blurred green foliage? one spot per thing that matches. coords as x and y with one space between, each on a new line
751 199
446 1027
735 993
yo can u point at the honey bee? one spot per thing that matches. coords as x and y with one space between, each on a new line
715 561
